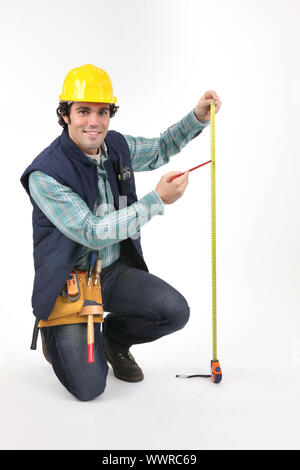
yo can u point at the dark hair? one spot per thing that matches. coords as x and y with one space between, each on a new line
64 109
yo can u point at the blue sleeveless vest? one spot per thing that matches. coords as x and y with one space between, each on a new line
54 254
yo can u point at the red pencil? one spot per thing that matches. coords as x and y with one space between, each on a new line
195 167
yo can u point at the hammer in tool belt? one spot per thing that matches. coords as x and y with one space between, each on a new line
92 304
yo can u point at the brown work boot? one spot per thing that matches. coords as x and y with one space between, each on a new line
123 364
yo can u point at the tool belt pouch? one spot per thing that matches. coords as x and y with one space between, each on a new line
92 298
70 299
77 298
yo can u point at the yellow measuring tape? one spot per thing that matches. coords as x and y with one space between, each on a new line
213 228
216 372
215 366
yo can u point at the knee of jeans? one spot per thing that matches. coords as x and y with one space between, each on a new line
184 314
178 313
89 390
86 393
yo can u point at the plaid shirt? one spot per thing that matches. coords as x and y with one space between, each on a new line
105 228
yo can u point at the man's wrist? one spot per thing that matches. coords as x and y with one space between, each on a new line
160 202
204 122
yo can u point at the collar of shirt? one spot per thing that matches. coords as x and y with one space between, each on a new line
101 155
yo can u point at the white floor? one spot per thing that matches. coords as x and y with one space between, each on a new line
255 407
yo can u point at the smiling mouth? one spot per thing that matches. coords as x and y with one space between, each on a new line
92 133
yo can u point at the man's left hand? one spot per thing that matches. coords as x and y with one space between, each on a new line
202 110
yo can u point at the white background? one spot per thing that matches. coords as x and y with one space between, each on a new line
162 55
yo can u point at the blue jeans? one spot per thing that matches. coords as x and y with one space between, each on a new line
142 308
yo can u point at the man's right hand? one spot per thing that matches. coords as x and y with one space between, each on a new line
170 192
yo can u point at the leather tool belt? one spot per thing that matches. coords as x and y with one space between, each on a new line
76 300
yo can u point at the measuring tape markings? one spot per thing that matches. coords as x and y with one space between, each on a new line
215 366
213 229
216 372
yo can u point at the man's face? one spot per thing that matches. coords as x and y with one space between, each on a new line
88 125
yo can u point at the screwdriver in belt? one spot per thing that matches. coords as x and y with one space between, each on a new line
90 323
97 271
92 260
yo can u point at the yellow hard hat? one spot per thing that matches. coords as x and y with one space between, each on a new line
88 83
